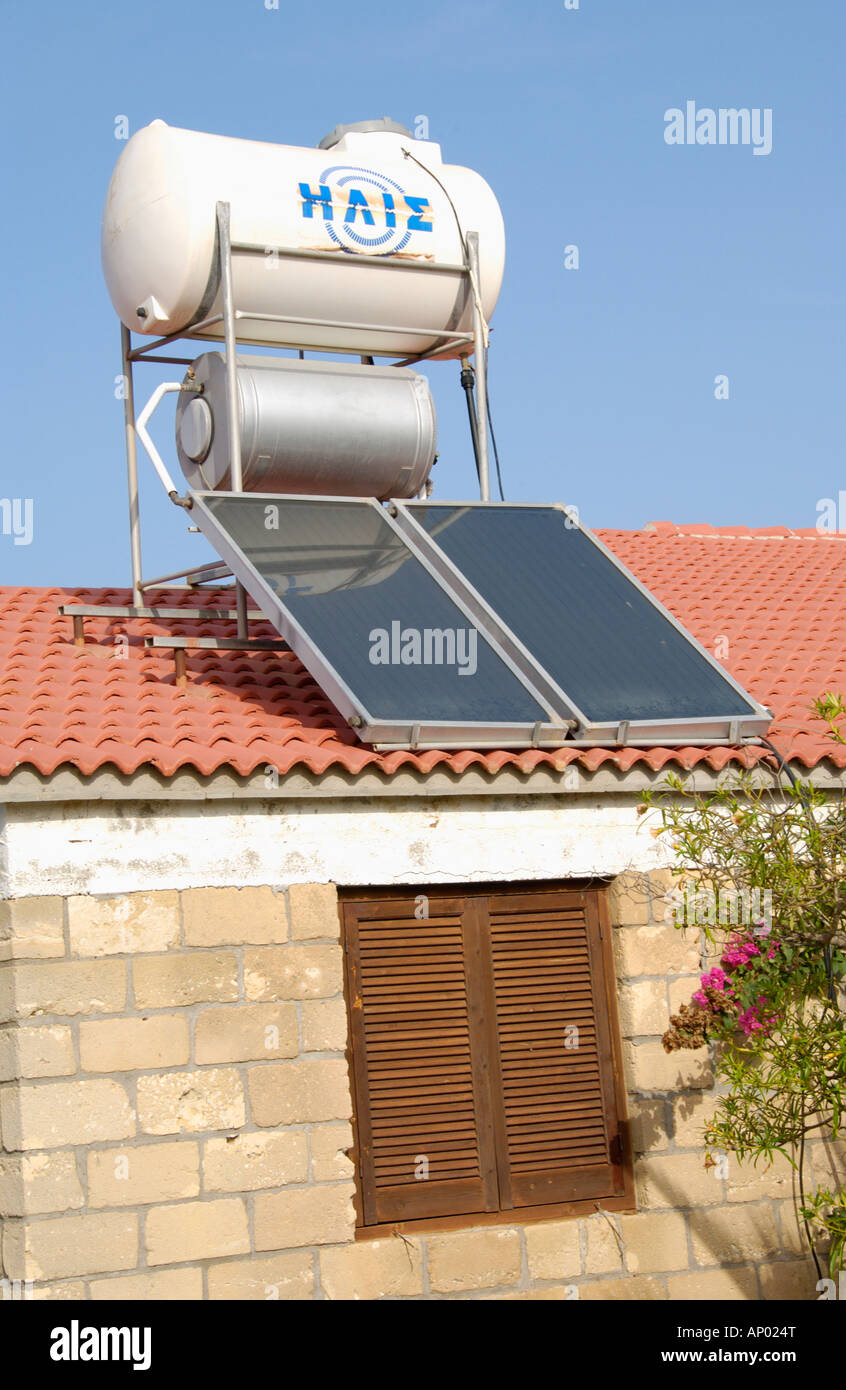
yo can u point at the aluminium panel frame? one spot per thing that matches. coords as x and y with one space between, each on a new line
381 733
688 731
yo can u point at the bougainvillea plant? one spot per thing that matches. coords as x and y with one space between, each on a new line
736 994
772 1003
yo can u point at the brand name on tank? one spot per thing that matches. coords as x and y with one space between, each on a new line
354 206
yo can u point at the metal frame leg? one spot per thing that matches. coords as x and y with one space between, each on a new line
131 463
236 475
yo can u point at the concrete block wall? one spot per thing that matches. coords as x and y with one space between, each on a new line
175 1111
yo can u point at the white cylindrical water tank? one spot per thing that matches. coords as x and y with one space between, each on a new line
361 197
333 428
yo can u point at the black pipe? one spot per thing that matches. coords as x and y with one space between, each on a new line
468 381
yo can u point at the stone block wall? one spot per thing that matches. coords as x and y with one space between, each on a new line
174 1106
175 1111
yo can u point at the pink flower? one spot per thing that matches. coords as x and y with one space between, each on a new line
732 957
751 1022
738 953
715 979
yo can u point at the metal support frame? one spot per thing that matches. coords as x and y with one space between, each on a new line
229 315
198 574
222 644
78 611
223 229
446 341
180 646
453 340
131 462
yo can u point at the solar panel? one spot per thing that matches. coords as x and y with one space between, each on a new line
397 653
614 655
480 624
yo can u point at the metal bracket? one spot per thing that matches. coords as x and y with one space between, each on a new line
198 574
223 644
181 645
78 612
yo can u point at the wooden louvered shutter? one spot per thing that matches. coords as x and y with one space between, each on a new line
554 1102
473 1094
419 1069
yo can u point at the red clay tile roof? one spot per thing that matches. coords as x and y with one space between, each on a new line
778 597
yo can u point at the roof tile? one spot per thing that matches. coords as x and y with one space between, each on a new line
770 604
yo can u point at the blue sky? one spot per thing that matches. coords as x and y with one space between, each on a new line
695 261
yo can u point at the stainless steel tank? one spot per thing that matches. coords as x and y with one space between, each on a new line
335 428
